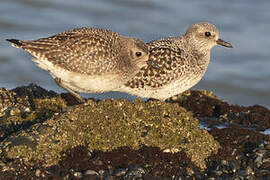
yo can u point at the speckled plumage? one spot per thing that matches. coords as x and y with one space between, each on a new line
180 63
88 59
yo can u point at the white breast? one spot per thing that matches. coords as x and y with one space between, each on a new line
80 82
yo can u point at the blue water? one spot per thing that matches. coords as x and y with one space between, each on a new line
240 75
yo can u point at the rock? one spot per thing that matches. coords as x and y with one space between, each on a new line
22 107
50 134
108 125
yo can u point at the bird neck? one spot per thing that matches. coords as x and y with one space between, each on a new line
199 55
201 46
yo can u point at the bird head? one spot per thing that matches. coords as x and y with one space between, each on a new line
204 36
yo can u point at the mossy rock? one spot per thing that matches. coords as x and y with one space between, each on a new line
107 125
24 106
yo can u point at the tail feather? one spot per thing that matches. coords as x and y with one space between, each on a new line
15 42
33 47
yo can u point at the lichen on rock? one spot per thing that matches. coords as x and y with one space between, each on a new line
44 134
106 125
99 125
24 106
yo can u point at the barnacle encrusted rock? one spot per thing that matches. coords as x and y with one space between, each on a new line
24 106
104 125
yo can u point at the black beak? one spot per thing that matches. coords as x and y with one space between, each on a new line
224 43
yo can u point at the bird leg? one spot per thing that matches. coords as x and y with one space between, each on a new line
58 81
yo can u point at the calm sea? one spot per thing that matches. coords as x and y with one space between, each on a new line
240 75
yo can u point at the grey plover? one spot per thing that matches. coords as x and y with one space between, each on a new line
180 63
87 59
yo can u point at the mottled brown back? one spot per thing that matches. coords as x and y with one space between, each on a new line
169 63
85 50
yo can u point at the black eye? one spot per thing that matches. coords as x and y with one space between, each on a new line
138 54
207 34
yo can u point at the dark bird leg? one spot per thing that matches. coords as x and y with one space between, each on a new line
58 81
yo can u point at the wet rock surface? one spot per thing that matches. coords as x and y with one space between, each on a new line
49 136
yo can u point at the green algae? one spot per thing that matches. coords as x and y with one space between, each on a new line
107 125
24 106
19 113
184 95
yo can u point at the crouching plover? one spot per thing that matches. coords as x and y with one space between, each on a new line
180 63
87 59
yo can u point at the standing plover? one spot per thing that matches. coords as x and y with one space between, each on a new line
180 63
87 59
